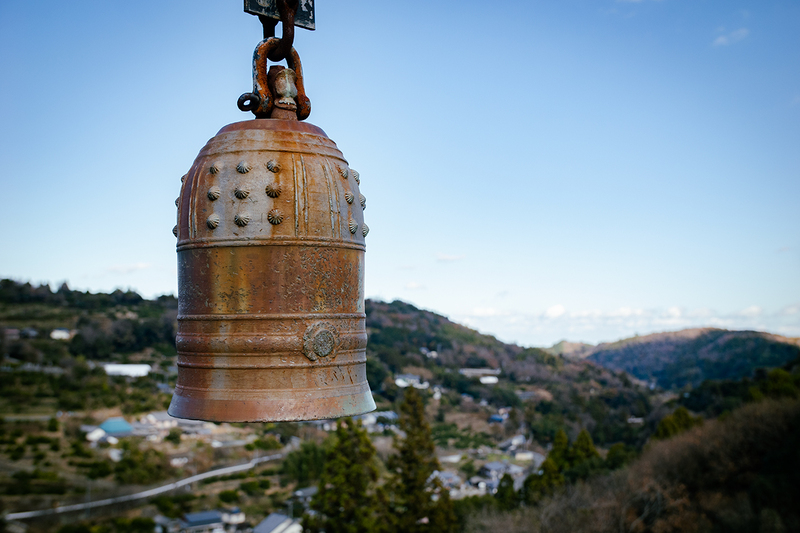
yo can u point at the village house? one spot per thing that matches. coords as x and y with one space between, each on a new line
278 523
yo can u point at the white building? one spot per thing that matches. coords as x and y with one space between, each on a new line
128 370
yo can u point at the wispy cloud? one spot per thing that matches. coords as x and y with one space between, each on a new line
127 269
751 311
446 258
487 311
414 286
555 311
731 37
594 325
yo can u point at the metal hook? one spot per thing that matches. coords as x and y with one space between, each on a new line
261 100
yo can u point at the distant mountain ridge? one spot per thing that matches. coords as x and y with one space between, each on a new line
689 356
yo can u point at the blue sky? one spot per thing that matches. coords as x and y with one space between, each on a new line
580 169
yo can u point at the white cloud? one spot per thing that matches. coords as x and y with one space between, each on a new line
414 286
445 258
751 311
733 37
486 311
594 325
555 311
127 269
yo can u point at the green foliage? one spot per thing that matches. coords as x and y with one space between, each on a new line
618 455
466 508
714 355
544 428
229 496
445 435
174 436
95 469
114 525
376 373
229 477
52 425
506 495
541 357
678 422
347 501
411 484
559 453
303 466
503 397
716 397
74 528
469 469
141 467
582 449
268 443
36 482
252 488
583 460
542 483
174 506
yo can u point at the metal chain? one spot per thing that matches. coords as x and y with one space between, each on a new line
287 10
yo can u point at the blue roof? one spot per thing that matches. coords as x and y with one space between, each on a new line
270 523
202 518
115 426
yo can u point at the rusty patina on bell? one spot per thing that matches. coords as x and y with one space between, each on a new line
271 322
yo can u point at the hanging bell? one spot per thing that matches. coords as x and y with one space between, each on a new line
271 321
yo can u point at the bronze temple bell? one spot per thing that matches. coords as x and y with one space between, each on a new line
271 241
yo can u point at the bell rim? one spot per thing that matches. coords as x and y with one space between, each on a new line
265 410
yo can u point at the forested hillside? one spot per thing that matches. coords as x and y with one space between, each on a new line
688 357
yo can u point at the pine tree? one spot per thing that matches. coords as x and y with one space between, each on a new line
582 449
347 501
541 483
559 451
419 502
506 496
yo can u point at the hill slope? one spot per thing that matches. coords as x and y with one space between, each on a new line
690 356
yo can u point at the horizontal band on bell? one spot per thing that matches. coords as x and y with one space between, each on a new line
293 392
302 361
277 316
267 347
188 244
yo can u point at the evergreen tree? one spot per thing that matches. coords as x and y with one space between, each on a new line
678 422
542 483
347 501
617 456
419 502
582 449
560 450
506 495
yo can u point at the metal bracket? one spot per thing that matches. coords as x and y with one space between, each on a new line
304 17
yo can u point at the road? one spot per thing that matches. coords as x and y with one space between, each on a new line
145 494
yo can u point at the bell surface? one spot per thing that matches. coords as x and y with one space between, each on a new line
271 321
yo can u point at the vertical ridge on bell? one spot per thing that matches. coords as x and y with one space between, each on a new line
305 191
296 199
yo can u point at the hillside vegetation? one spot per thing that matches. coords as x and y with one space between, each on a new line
740 474
690 356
